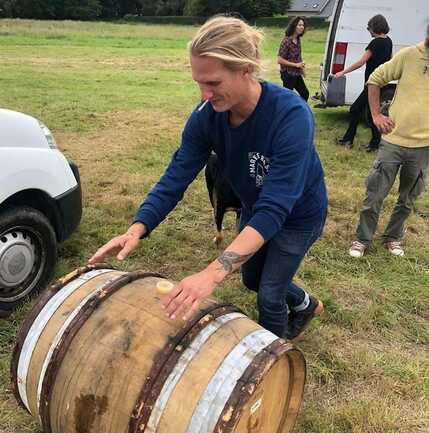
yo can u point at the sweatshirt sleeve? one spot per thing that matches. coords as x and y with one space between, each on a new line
186 163
288 171
389 71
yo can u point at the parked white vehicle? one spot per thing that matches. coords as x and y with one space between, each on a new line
348 38
40 205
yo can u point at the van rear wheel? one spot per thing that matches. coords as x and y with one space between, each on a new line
386 98
28 252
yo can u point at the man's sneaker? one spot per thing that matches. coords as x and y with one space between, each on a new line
357 249
394 248
299 320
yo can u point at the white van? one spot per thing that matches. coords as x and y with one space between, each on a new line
348 37
40 205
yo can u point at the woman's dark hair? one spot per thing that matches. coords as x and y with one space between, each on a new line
378 24
292 26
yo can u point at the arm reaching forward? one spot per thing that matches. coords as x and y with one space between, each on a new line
186 296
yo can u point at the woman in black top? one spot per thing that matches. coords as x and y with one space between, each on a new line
378 51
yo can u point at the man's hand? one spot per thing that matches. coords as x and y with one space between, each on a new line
383 123
121 245
338 74
300 65
186 296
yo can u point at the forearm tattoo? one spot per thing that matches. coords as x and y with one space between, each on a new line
228 259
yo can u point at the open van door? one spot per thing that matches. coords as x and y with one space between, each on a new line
348 37
333 93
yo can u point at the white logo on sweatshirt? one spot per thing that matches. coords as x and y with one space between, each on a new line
258 167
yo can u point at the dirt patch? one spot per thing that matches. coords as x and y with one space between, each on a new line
86 410
112 159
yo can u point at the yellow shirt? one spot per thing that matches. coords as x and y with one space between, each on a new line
410 105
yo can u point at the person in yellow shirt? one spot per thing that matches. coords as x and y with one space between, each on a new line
404 147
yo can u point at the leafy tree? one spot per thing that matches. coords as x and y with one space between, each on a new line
110 8
169 7
149 8
92 9
268 8
247 8
197 8
38 9
120 8
81 9
162 7
51 9
7 8
132 7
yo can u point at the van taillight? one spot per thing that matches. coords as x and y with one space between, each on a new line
339 57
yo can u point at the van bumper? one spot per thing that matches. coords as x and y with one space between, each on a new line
333 91
69 205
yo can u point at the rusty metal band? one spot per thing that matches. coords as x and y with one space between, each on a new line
32 315
213 399
248 384
166 360
60 351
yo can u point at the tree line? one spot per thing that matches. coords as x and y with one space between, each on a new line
117 9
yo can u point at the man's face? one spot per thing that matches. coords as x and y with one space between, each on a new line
222 87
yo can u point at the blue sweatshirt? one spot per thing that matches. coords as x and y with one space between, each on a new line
270 161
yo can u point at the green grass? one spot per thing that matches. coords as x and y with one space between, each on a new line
116 97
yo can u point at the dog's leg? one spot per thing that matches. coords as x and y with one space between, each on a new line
218 214
237 220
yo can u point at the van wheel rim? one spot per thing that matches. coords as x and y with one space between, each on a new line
384 107
21 263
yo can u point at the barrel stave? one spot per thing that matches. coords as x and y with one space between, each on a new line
51 330
101 363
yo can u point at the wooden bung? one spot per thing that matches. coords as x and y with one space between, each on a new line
97 354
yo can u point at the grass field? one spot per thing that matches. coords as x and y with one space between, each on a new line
116 98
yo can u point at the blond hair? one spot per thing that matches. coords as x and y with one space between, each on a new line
230 40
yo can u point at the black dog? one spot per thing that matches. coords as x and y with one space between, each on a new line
221 195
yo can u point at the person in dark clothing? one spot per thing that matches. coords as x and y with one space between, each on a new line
292 68
263 136
378 51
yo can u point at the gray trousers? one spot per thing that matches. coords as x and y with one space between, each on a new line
412 165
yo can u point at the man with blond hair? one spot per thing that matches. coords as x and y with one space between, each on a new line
404 147
263 137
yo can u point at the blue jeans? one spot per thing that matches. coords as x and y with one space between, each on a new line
270 273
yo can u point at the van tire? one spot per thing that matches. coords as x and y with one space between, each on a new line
386 98
28 254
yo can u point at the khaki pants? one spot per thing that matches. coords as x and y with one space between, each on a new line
412 165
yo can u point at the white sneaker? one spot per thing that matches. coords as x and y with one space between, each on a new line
394 248
357 250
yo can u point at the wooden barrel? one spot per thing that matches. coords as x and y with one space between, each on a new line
98 355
